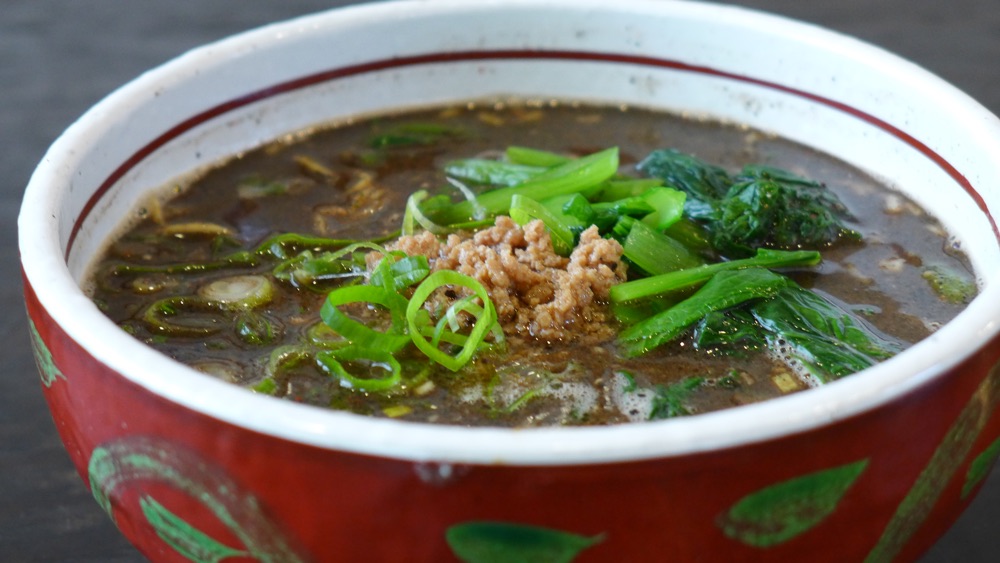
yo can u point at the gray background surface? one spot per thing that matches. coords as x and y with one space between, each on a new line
58 57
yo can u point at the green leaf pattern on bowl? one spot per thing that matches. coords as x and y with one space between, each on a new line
949 456
138 461
183 537
780 512
980 467
502 542
46 366
765 518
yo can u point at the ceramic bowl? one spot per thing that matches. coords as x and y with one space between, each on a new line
872 467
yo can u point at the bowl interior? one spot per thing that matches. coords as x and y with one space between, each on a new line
867 107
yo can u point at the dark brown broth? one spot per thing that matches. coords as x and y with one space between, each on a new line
572 386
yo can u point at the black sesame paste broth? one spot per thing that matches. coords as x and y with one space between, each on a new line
904 278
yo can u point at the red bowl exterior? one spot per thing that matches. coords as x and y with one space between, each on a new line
879 486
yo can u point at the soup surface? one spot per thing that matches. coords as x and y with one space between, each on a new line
235 273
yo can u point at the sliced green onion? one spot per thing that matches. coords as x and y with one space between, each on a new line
483 325
382 275
404 271
332 362
235 260
478 211
267 386
392 340
414 216
306 268
285 245
196 228
158 317
285 357
238 292
322 336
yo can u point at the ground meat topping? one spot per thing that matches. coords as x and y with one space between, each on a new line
536 292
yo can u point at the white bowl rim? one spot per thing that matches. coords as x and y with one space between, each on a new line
45 270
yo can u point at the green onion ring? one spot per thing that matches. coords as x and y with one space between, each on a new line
357 333
483 325
330 360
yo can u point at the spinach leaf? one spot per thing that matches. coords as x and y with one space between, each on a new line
827 339
703 182
724 290
950 285
772 211
669 401
733 332
759 207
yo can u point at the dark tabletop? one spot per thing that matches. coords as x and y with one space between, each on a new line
58 57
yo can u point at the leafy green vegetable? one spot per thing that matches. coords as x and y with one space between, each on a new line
570 177
732 332
693 236
667 204
621 188
413 134
492 172
686 278
254 328
825 338
760 207
534 157
655 252
724 290
950 285
704 183
766 211
669 401
523 210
